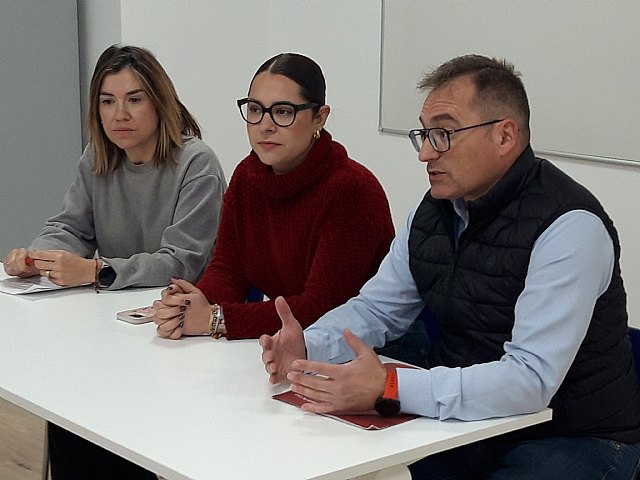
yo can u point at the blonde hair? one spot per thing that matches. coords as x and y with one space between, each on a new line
174 120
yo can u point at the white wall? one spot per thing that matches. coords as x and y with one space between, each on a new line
212 48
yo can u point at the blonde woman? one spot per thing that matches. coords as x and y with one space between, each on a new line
146 200
144 206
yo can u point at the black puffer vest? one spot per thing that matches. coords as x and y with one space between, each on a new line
472 291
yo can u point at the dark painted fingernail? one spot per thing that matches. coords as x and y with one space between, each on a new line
181 317
187 302
182 308
181 324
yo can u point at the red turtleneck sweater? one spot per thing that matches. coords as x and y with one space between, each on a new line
314 235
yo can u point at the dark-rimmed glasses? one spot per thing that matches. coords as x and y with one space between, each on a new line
283 114
440 138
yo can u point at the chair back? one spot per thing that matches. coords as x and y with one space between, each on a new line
255 295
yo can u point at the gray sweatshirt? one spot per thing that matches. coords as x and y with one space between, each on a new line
148 223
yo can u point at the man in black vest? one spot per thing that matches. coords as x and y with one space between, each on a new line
519 266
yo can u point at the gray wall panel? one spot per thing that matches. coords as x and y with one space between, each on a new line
40 124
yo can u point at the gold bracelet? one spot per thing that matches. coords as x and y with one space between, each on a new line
214 319
217 327
222 328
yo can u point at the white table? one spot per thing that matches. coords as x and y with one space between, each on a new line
189 409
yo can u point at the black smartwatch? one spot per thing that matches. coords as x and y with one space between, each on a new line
106 275
388 405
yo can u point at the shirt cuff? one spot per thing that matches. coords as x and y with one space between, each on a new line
323 347
417 395
315 347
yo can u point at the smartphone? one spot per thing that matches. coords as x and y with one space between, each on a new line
137 315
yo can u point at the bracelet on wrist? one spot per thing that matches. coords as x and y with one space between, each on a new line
217 327
95 277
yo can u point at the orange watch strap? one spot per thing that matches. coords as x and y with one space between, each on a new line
391 384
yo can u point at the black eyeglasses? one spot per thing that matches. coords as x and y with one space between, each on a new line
440 138
283 114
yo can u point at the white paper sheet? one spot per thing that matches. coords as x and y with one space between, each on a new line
20 286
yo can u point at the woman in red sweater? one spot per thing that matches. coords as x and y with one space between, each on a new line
300 218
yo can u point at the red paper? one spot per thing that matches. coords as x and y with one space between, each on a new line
366 420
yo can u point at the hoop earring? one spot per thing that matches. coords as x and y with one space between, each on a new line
316 135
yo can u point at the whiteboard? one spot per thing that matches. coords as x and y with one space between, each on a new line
579 60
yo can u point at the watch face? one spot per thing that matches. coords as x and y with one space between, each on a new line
106 276
387 407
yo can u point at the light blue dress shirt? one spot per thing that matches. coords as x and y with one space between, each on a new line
571 266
